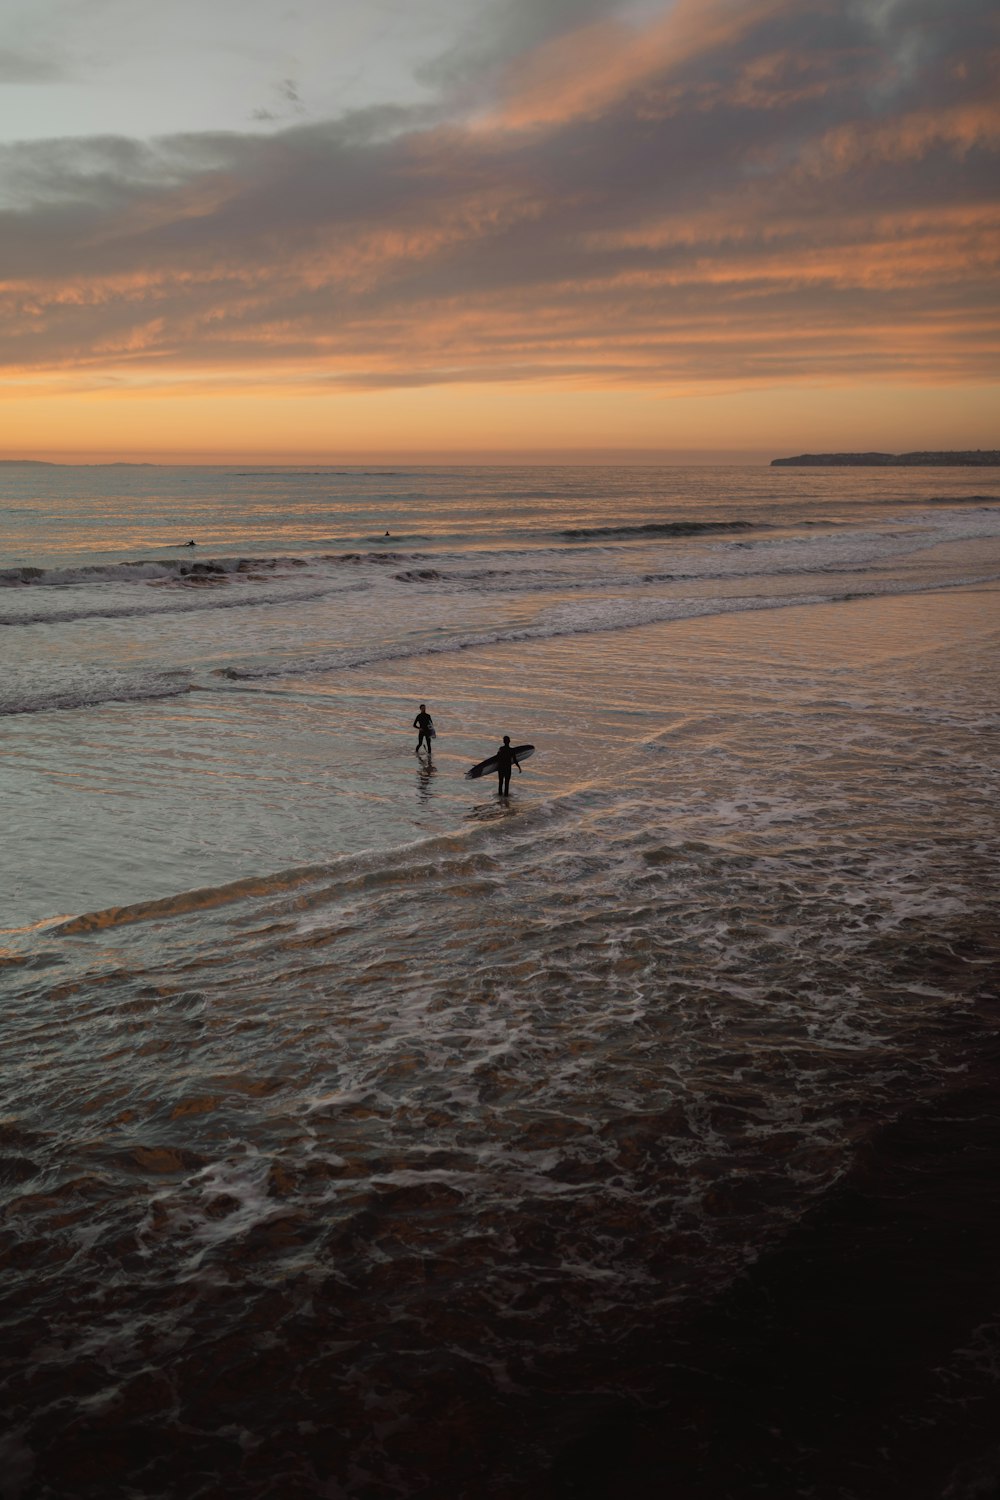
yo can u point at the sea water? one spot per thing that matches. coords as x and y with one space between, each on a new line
362 1132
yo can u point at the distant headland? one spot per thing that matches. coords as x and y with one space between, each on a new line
978 458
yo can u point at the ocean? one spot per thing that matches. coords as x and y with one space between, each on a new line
364 1134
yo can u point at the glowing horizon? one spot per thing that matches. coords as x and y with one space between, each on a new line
735 226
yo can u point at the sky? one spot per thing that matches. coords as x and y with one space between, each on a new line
497 229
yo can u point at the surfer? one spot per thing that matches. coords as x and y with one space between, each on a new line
425 724
501 762
505 758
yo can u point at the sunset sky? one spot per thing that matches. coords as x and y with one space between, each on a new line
308 229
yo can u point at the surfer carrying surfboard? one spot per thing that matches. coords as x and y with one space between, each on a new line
505 758
508 755
425 724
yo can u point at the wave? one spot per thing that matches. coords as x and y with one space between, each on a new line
93 693
180 606
657 528
360 870
527 580
578 619
373 557
507 579
188 901
145 570
186 572
990 500
571 618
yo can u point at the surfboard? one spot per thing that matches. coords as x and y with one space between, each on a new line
522 752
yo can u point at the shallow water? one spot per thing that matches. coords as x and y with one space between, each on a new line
361 1131
169 729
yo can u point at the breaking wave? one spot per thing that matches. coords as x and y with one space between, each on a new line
151 570
186 571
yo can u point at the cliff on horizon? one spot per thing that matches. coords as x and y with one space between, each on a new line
978 458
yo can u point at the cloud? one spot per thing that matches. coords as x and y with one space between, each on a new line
587 70
505 32
288 103
738 189
26 67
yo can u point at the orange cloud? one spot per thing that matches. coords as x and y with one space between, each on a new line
584 72
959 129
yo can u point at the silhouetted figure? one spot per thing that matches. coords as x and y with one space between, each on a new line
425 724
505 759
192 543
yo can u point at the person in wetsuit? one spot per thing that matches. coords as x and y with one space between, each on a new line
505 759
425 724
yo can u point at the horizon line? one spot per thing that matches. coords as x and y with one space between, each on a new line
438 458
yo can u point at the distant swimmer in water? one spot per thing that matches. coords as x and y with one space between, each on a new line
191 544
505 759
425 724
387 533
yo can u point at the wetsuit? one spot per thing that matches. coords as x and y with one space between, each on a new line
425 724
505 760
